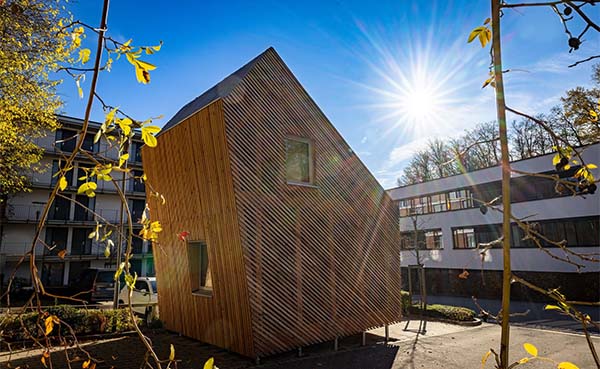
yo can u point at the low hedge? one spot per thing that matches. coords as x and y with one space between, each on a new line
456 313
82 321
405 300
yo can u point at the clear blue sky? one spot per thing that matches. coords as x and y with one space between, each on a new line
362 62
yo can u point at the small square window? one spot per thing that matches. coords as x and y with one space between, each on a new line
298 161
200 276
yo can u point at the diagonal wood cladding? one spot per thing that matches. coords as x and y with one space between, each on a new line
321 261
291 265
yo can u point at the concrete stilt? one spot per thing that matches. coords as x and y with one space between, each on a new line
387 333
257 361
363 341
299 351
335 344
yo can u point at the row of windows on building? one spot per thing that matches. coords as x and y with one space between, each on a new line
527 188
66 140
578 232
83 208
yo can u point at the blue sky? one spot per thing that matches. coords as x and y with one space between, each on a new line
362 62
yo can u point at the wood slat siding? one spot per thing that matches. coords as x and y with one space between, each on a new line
190 167
320 262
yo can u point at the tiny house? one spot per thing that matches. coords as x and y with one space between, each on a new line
290 239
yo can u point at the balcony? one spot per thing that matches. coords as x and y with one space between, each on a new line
14 251
32 214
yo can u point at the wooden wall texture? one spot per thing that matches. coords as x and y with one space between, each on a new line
321 261
190 166
291 265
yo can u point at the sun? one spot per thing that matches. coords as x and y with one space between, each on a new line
418 102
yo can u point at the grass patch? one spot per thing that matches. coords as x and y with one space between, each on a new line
82 321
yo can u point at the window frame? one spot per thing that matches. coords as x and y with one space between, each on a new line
311 157
195 269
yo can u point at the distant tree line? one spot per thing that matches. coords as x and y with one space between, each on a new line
479 147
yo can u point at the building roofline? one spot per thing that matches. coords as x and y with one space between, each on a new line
492 166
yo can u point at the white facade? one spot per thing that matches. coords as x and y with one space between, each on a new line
570 209
67 226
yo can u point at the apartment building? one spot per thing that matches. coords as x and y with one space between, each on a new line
450 225
68 224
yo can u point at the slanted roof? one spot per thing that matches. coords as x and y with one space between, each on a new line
216 92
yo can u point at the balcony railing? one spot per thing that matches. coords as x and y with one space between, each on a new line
32 213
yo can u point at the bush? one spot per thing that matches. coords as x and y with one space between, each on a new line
405 301
457 313
82 321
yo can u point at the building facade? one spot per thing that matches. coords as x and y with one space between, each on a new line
450 226
290 239
68 224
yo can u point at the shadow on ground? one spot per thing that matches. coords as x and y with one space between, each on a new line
128 353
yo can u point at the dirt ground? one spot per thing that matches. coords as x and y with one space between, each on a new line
442 346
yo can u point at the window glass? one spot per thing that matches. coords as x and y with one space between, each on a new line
464 238
81 244
81 212
433 239
200 274
298 161
60 209
587 232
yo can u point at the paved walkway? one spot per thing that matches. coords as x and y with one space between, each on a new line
443 346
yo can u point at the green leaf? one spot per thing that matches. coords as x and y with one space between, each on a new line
531 349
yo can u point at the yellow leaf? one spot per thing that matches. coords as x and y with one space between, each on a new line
145 65
110 116
524 360
485 36
485 358
62 183
551 307
123 159
43 360
209 364
474 33
531 349
49 323
594 115
125 125
62 253
147 135
84 55
591 166
487 20
86 364
567 365
556 159
88 188
172 353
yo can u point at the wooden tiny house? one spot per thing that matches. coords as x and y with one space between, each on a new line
291 240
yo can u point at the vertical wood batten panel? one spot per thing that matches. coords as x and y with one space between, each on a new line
190 167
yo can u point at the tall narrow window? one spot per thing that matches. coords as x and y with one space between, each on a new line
200 276
298 160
